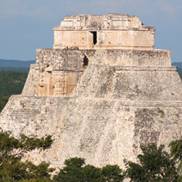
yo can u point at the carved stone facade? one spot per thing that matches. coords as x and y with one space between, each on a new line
107 32
101 101
57 72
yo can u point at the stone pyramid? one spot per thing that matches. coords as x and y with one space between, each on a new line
101 92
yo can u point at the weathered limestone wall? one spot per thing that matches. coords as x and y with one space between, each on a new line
128 83
135 39
107 39
37 116
140 58
108 21
32 81
73 39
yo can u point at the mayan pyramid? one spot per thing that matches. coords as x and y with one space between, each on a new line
101 91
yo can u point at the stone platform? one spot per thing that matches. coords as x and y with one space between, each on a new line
101 130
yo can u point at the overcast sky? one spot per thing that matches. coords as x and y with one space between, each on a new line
27 24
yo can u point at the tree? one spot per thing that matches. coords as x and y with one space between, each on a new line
76 170
12 169
176 154
72 171
155 165
92 173
112 173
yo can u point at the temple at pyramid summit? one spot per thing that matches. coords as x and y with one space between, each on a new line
101 92
112 31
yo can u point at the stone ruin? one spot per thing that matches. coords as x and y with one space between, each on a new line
101 92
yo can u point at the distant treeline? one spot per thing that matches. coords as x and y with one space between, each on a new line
11 82
15 64
178 67
180 72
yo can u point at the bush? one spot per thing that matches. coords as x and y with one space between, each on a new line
76 170
155 164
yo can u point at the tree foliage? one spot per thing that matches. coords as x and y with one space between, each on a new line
12 168
112 173
11 82
76 170
176 149
176 154
155 165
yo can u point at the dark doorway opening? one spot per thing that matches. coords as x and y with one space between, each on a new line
85 61
94 33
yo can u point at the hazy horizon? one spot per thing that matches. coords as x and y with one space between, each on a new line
26 26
